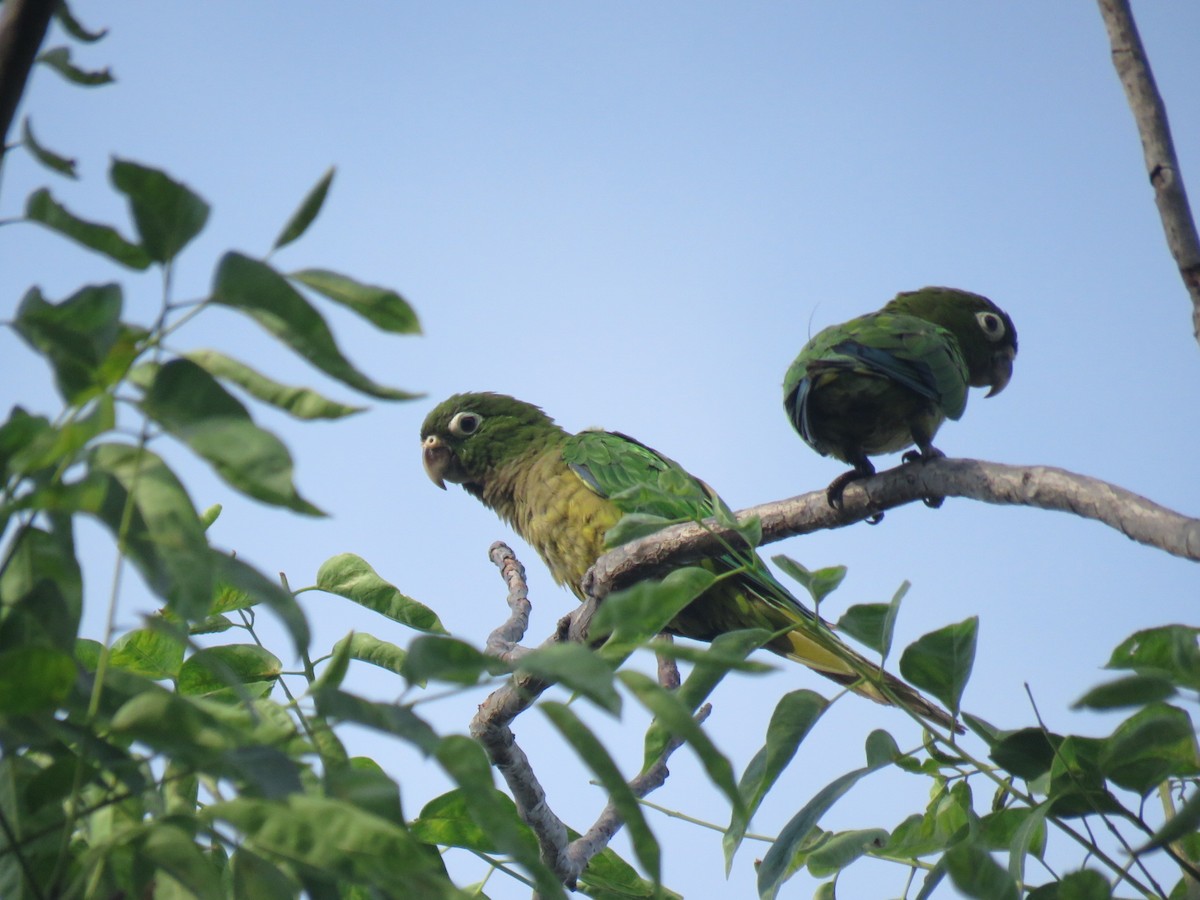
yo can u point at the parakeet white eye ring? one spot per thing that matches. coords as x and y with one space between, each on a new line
992 325
465 424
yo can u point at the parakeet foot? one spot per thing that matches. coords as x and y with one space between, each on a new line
833 493
924 455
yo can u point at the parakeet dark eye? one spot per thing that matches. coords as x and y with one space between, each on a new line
992 325
465 423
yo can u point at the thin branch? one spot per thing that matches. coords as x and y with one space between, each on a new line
504 642
1150 114
23 25
1043 487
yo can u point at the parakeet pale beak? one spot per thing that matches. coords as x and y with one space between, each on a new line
1002 363
435 456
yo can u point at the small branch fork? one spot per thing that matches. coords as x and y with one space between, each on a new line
491 727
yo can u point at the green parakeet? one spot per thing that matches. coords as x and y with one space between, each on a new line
562 492
887 380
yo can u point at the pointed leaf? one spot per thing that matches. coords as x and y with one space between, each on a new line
1185 822
592 752
389 718
298 402
59 59
634 615
819 584
150 652
383 308
77 336
1153 744
677 719
1027 753
168 214
843 848
41 591
352 577
71 25
773 870
576 667
1031 835
41 207
1132 690
446 821
368 850
441 658
941 661
172 850
793 718
1170 651
260 292
191 405
58 446
370 649
309 208
213 669
48 158
976 874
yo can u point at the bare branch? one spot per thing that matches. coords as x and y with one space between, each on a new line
23 25
1044 487
1133 68
504 642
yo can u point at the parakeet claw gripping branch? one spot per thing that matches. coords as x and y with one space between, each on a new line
887 380
562 493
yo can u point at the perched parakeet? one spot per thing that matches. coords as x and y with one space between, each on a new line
562 492
887 380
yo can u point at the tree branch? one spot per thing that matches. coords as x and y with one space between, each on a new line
23 25
1133 68
1044 487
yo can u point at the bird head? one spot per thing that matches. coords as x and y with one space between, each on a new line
985 333
465 437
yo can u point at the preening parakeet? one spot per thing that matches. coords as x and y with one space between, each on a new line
887 380
562 492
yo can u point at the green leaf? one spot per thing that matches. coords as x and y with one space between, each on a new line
1030 835
940 662
1077 786
632 616
1027 753
248 582
773 870
307 212
298 402
609 877
438 658
819 584
41 207
446 821
717 656
59 59
576 667
48 158
34 679
352 577
389 718
150 652
874 623
793 718
364 783
214 669
592 752
1153 744
77 336
976 874
1170 651
383 308
842 849
1185 822
632 526
134 494
168 214
71 25
171 849
254 876
464 760
191 405
52 447
368 850
41 591
1085 884
260 292
1132 690
677 719
370 649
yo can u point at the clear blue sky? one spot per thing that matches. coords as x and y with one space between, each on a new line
635 215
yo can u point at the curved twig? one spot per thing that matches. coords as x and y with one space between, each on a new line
1044 487
1133 68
